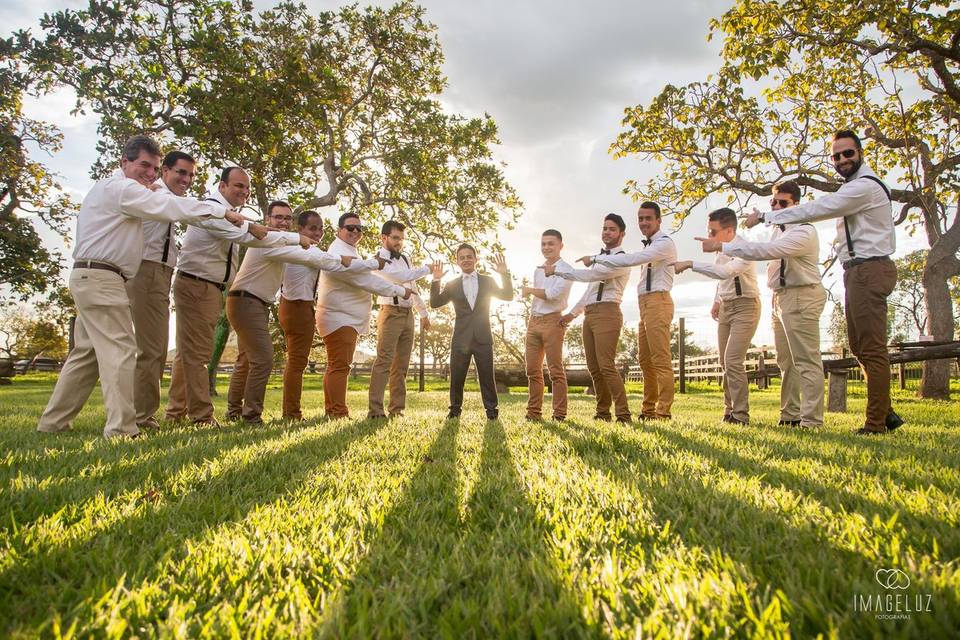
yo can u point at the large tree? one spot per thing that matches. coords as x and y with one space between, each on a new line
27 187
793 72
335 109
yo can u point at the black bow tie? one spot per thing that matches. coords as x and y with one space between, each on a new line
394 255
605 252
646 243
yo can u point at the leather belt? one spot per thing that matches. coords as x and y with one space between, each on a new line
240 293
218 285
849 264
105 266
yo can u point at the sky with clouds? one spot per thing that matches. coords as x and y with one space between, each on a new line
556 76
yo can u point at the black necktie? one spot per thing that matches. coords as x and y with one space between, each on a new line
646 243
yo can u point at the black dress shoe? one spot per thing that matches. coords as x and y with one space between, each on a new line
452 415
624 419
863 431
558 418
492 415
893 420
603 418
732 420
788 423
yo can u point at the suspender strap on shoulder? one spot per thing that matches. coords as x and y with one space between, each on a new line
166 243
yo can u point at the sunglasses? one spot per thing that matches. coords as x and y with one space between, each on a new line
782 203
846 153
353 228
185 173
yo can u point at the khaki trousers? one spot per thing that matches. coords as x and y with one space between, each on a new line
545 339
250 319
198 307
867 287
395 333
653 353
105 348
601 333
149 293
738 323
340 345
796 334
297 321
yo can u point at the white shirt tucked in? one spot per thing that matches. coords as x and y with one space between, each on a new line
737 277
794 251
209 249
556 289
261 272
863 203
606 283
160 238
110 227
343 298
656 257
399 271
300 282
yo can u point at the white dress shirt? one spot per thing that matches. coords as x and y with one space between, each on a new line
471 286
261 272
606 283
343 298
737 277
399 271
556 289
300 282
110 227
862 203
794 251
160 238
658 253
207 246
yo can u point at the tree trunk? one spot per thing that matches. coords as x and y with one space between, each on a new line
935 383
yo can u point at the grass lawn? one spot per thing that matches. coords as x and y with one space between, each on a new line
433 528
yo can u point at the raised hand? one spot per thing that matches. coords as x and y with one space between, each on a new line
306 242
381 261
753 219
257 230
437 269
549 269
499 264
681 265
710 245
586 260
236 219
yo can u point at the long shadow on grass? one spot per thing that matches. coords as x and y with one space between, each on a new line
431 575
818 579
922 528
150 461
49 578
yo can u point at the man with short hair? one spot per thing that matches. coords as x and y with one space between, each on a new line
736 308
395 326
472 338
793 274
544 337
297 315
343 313
108 252
603 320
248 309
149 291
206 267
867 239
656 309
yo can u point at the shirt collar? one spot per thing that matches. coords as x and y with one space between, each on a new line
472 275
340 247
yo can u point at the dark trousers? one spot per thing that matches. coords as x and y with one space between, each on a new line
459 363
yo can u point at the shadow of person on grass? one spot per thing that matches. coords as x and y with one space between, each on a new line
69 576
431 574
819 596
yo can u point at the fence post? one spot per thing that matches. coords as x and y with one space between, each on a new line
683 354
422 386
837 391
902 371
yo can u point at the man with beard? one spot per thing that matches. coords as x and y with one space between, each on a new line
866 236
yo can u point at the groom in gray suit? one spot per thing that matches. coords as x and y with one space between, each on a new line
470 294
